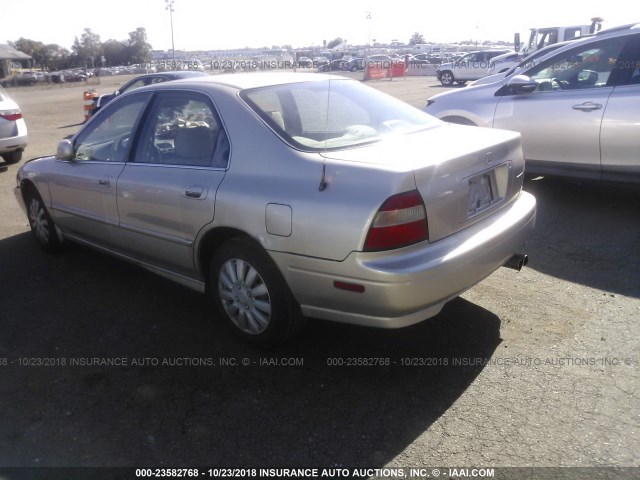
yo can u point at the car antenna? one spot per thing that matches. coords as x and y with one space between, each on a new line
323 179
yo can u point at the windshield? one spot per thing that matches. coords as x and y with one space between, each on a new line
315 116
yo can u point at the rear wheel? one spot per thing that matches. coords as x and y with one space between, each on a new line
42 226
252 295
461 82
447 78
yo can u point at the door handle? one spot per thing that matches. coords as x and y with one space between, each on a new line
199 193
587 106
104 182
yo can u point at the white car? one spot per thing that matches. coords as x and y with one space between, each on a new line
576 108
13 129
472 66
504 66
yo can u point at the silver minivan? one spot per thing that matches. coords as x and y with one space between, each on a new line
577 109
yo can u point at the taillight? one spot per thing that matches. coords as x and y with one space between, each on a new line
11 115
400 221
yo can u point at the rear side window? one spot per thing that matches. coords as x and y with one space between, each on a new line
183 129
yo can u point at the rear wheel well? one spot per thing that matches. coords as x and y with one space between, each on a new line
212 240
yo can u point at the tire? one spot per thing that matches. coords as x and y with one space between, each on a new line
12 157
41 223
461 82
252 296
447 78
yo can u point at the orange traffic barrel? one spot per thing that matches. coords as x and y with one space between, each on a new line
89 95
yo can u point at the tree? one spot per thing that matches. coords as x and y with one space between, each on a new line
416 39
114 52
88 49
56 57
335 42
138 49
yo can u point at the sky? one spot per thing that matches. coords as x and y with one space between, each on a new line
215 24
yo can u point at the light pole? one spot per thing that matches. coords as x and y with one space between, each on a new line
368 17
169 6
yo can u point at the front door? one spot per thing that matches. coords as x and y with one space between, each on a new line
560 121
83 189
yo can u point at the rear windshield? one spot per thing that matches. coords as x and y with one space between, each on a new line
335 114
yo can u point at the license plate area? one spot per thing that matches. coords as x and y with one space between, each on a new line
483 193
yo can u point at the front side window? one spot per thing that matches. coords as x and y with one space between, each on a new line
183 129
314 116
108 138
589 66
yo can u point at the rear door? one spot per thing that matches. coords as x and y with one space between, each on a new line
560 121
167 192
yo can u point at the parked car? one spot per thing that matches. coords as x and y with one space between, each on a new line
23 79
355 64
141 81
472 66
333 66
526 62
305 62
75 76
320 61
13 129
509 61
239 186
577 109
384 61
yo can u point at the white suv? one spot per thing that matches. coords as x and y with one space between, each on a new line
472 66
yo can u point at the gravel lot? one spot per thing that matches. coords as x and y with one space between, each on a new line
537 368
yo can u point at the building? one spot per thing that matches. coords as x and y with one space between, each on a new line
12 59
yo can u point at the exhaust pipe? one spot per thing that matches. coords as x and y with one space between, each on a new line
518 261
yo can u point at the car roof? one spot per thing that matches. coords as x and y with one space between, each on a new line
176 74
243 81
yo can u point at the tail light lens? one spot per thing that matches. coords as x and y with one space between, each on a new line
400 221
11 115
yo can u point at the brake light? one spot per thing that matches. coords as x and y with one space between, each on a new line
400 221
11 115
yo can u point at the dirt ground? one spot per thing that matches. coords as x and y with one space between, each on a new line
537 368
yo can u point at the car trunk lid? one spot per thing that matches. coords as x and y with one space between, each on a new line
462 173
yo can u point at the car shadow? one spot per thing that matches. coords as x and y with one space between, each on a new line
587 234
197 395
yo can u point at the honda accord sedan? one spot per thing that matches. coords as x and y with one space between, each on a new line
288 196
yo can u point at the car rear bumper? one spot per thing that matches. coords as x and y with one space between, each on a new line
408 285
18 139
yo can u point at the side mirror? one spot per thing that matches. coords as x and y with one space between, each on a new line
521 84
65 150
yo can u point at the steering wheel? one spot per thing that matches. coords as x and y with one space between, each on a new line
561 84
